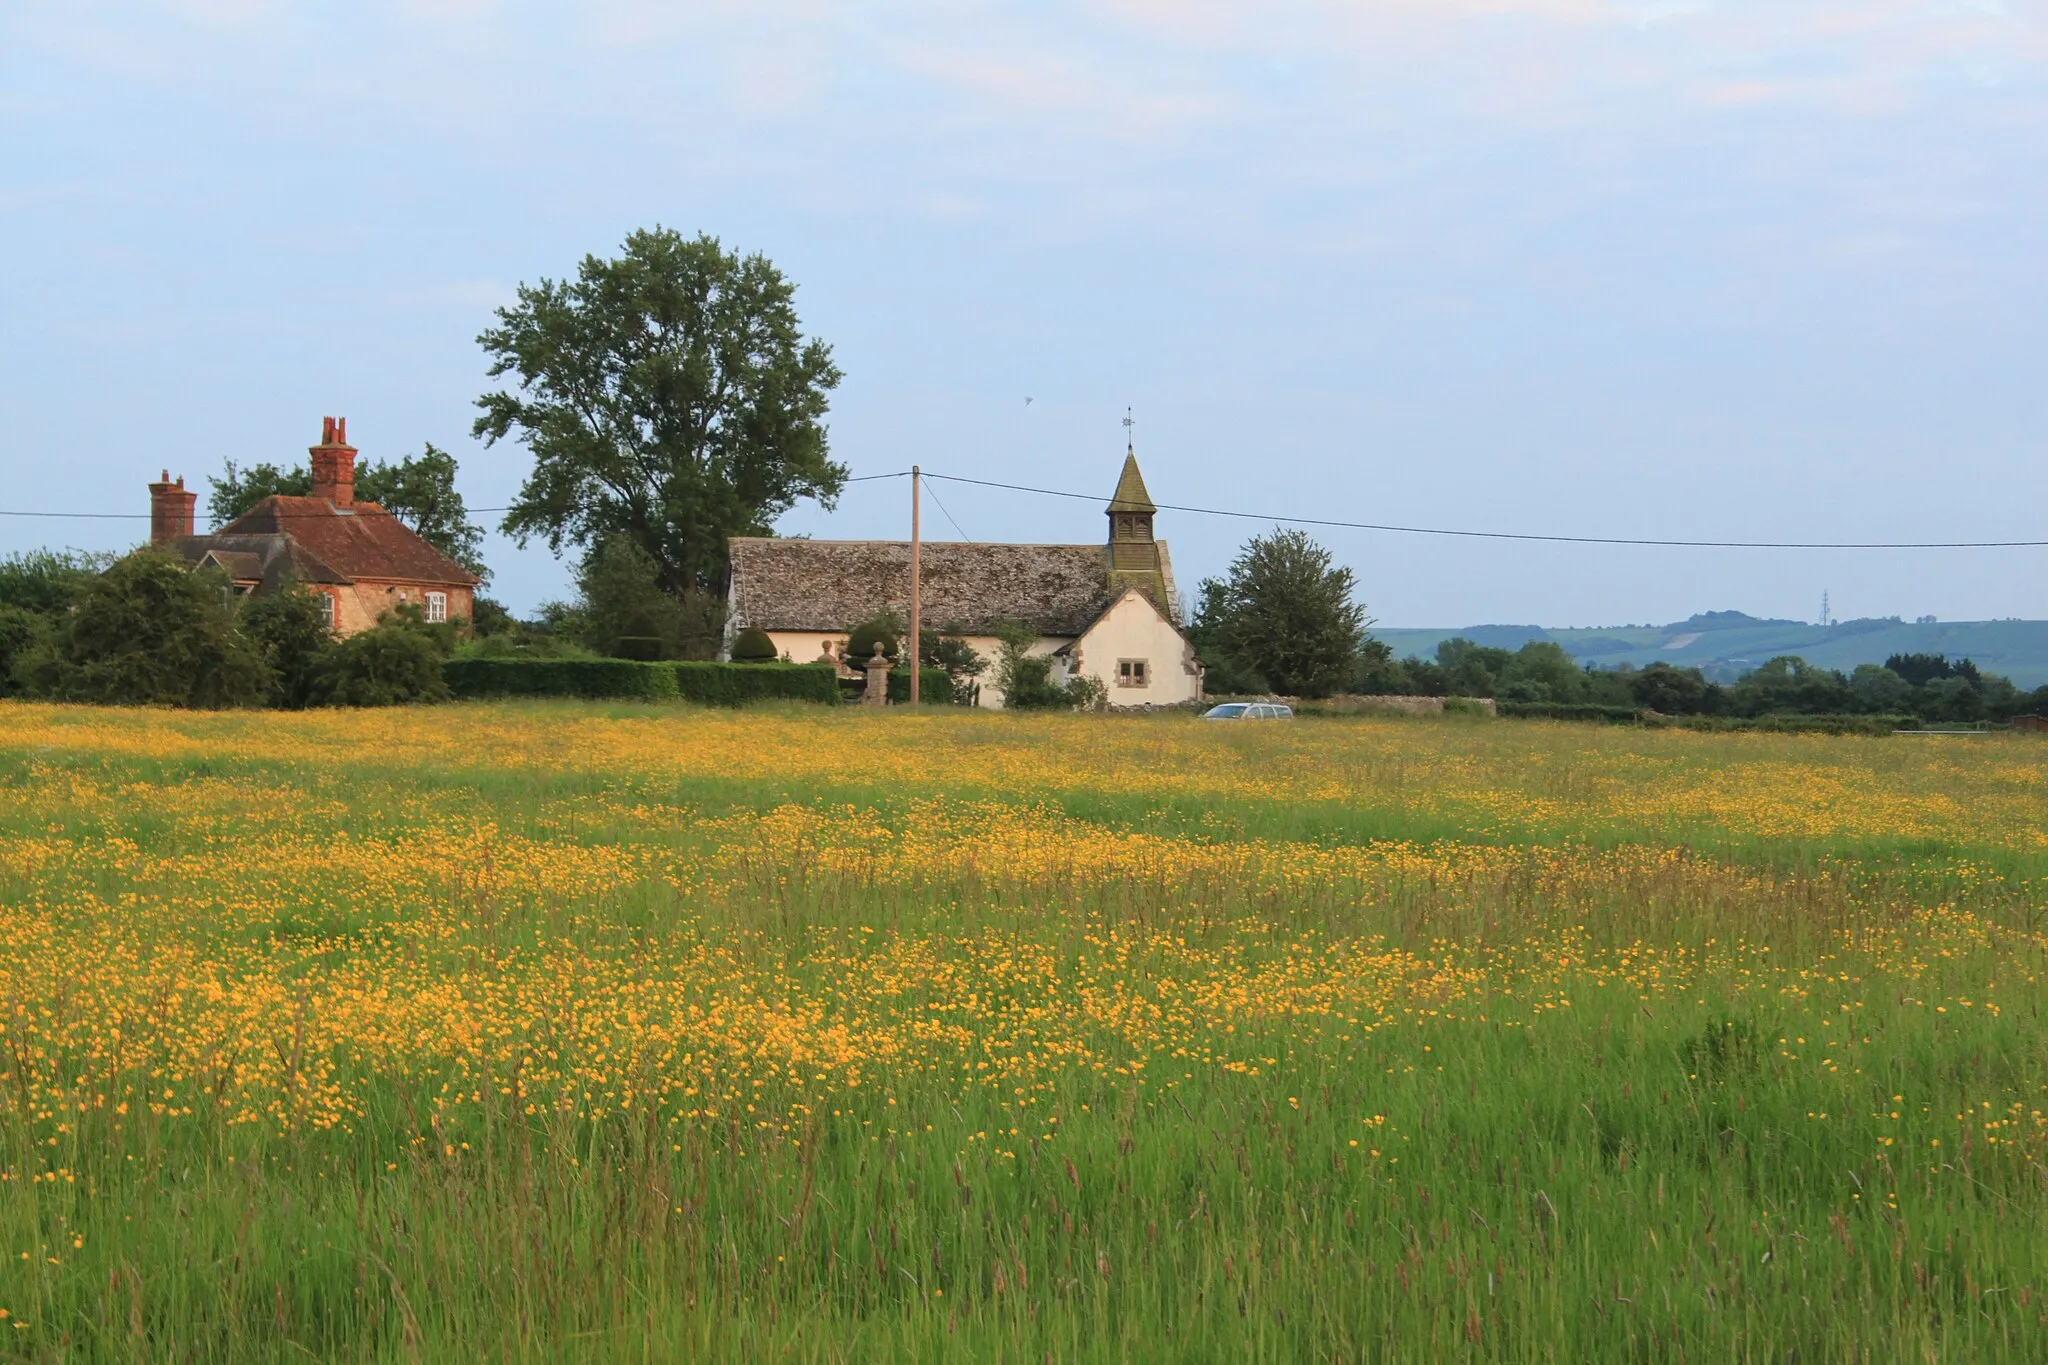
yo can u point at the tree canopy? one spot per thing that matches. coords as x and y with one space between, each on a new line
1285 611
419 490
667 395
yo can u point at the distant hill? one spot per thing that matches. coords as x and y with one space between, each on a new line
1727 644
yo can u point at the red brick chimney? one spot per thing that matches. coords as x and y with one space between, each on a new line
334 463
170 510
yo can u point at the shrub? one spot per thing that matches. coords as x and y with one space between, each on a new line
150 631
860 641
753 646
291 633
390 664
22 634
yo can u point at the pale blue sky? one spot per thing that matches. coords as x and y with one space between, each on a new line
1759 270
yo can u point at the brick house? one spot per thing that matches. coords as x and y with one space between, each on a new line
359 558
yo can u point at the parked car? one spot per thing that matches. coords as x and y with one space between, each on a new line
1249 710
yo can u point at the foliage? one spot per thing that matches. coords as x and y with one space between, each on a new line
716 684
1286 612
521 643
149 631
231 496
393 663
489 617
934 686
473 676
24 634
1024 677
754 646
885 630
47 581
668 397
1351 1040
962 664
291 633
419 490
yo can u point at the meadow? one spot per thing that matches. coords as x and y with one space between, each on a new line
571 1031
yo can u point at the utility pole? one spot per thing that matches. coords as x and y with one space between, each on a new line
916 606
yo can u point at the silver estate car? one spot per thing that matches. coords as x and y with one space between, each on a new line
1249 710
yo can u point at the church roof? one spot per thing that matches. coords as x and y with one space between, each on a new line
833 585
1130 489
357 541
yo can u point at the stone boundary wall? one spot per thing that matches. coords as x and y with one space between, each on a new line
1407 706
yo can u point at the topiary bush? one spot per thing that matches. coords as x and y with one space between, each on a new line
753 646
860 642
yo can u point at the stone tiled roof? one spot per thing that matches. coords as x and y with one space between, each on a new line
829 585
359 541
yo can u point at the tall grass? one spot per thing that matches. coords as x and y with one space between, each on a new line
554 1032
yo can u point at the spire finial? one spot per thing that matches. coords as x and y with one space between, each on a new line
1130 446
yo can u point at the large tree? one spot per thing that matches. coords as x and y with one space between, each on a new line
1286 611
419 490
667 395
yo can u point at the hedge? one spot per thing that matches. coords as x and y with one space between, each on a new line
559 678
934 687
736 684
1564 710
714 683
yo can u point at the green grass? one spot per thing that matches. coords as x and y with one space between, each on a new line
1684 1162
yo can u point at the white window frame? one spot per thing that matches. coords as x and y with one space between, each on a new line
434 607
1133 672
330 609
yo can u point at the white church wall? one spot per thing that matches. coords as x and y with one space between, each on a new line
1134 631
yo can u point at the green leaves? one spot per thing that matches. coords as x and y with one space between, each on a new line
1286 611
667 395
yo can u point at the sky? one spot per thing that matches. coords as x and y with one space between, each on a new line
1768 270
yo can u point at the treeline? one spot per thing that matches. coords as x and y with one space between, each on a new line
1928 687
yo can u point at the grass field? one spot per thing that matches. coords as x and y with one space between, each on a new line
563 1032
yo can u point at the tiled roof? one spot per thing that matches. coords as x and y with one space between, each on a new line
837 584
273 557
360 541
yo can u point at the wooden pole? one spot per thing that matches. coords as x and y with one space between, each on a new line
916 607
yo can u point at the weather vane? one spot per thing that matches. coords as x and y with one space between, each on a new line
1128 424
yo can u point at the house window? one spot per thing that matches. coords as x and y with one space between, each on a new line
327 605
437 606
1132 673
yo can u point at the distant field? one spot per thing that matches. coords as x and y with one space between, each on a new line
566 1031
1726 649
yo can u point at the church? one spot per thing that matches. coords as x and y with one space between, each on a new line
1107 611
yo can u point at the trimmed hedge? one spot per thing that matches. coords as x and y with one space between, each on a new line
1561 710
934 687
737 684
468 678
713 683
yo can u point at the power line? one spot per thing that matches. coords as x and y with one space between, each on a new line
1284 520
1526 535
949 516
